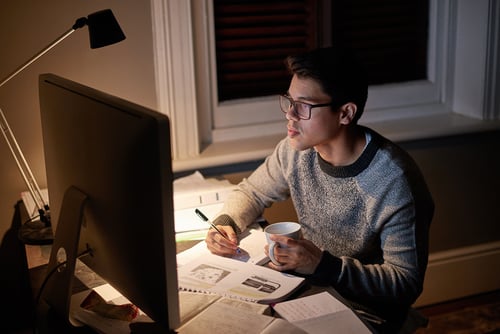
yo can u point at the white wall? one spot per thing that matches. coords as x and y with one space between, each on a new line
27 26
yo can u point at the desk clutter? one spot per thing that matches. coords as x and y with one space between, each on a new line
230 295
190 192
216 294
243 294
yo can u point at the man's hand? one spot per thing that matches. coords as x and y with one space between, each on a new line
300 255
226 244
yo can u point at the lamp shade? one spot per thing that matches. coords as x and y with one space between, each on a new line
103 29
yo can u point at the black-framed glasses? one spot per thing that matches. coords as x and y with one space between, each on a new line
301 110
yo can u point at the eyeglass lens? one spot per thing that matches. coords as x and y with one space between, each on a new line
301 110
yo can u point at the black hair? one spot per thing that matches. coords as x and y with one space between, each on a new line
338 72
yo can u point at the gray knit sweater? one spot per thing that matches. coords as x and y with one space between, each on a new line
371 218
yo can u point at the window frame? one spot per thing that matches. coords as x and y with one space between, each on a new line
184 55
231 121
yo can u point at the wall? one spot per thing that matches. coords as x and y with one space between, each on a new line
462 173
27 26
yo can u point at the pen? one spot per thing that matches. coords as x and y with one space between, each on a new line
205 219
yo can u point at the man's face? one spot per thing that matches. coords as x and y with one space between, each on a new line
322 127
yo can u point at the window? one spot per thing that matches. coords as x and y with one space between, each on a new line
253 37
245 118
462 59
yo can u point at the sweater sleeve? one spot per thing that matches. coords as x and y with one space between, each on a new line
263 187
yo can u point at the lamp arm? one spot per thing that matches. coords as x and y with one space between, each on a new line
31 232
38 55
22 164
7 133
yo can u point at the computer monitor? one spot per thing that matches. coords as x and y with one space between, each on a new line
109 177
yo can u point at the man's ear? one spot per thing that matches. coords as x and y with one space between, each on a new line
347 113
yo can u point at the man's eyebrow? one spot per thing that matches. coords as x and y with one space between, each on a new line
298 99
306 99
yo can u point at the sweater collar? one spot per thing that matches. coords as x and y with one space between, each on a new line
356 167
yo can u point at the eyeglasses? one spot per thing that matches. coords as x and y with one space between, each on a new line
301 110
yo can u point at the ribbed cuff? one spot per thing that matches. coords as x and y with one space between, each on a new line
227 220
328 270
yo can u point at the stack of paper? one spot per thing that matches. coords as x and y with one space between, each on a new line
196 192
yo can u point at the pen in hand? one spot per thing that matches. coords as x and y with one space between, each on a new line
205 219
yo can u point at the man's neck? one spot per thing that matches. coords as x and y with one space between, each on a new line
345 149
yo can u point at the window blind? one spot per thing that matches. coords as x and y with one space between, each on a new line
389 36
252 40
254 37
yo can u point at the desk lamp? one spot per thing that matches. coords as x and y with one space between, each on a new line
103 30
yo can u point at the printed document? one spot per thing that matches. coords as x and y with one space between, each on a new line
321 313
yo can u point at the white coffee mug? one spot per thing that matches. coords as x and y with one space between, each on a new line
287 229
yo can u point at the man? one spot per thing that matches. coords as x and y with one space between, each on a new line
364 207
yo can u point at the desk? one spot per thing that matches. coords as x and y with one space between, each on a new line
37 258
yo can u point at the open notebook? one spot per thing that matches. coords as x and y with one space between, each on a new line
236 279
243 277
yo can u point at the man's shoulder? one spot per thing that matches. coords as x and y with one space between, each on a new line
394 152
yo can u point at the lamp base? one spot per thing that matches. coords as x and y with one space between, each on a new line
36 232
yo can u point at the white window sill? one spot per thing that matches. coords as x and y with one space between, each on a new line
412 128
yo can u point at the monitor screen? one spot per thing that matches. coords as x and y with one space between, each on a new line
109 177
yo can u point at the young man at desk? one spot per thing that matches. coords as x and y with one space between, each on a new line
363 204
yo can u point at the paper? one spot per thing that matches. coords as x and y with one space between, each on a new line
235 279
190 304
80 316
186 220
309 307
321 313
193 303
197 235
194 190
252 243
280 326
215 314
224 319
196 181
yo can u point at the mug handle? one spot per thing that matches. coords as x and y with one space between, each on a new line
272 245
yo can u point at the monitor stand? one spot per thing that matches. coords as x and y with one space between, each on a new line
61 268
